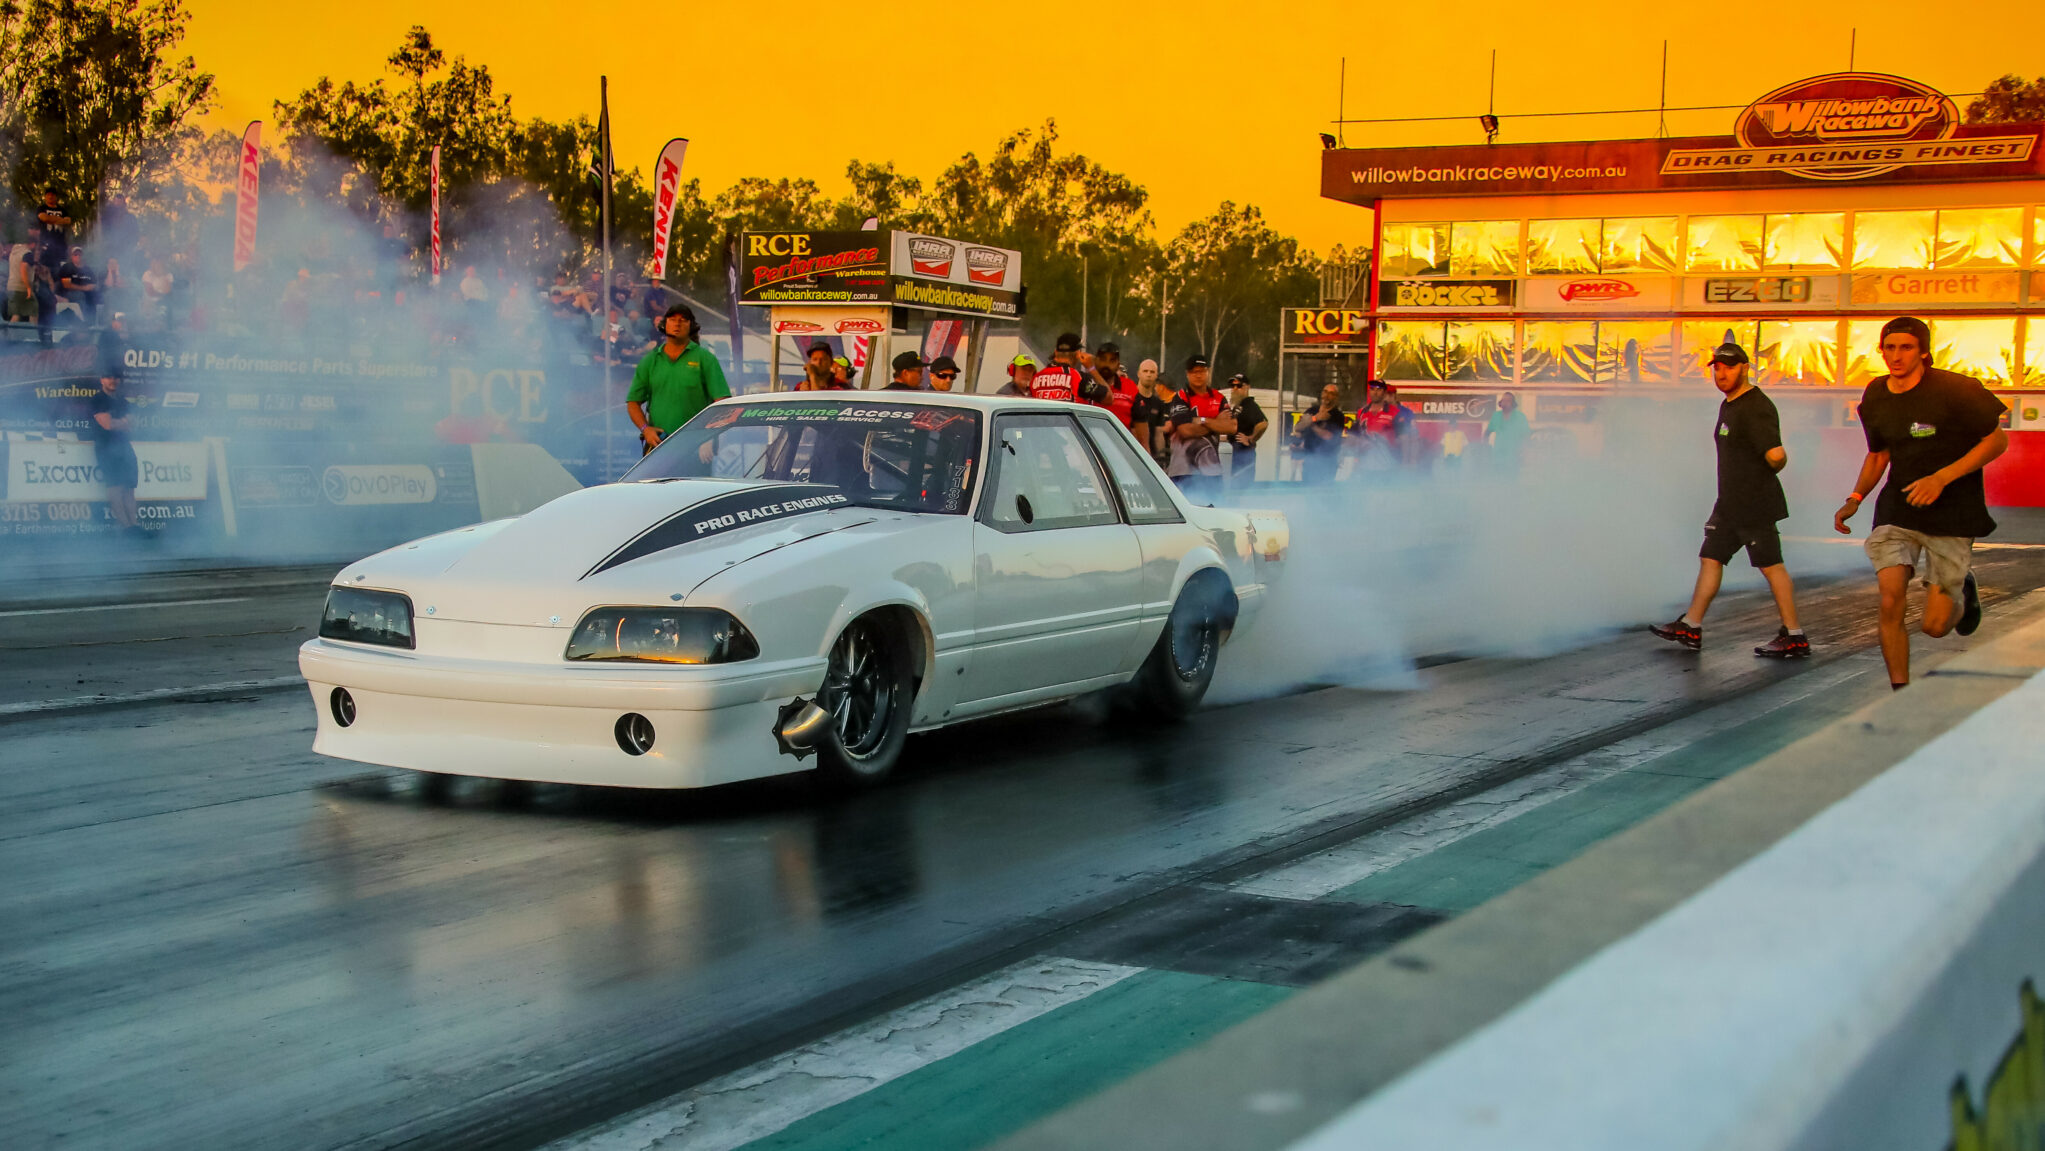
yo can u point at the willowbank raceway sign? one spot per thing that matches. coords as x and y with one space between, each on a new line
1845 126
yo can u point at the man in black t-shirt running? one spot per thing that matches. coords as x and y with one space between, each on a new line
1932 432
1750 503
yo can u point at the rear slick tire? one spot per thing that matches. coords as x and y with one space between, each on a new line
868 690
1175 676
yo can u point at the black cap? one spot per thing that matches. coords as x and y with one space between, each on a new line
908 360
1195 362
1369 384
944 364
818 346
1729 353
1913 326
1068 342
1239 379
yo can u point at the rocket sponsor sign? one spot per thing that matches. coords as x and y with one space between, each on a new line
247 194
1438 294
1858 126
667 188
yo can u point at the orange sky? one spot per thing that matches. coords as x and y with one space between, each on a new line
1196 100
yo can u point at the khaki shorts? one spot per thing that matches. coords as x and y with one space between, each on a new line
1939 560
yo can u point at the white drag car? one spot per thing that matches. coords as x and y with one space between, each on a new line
805 573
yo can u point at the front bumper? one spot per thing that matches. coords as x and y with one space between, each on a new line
554 723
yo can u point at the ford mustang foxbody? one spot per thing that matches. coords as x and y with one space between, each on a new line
786 576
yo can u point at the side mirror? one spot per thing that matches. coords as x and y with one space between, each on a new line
1022 508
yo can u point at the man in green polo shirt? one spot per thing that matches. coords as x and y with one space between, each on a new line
674 381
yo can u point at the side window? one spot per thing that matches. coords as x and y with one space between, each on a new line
1142 497
1044 477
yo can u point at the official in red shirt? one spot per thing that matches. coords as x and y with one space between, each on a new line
1061 379
1200 392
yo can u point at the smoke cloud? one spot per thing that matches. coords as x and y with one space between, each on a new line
1389 568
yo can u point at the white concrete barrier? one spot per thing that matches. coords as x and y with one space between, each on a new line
1862 984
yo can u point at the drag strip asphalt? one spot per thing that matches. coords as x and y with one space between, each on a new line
219 939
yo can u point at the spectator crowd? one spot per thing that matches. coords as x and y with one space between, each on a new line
319 295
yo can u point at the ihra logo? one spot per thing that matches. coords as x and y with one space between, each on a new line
929 256
986 265
1875 112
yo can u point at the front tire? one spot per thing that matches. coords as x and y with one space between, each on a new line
1175 676
868 691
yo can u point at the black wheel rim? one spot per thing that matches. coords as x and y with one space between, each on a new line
1193 643
859 691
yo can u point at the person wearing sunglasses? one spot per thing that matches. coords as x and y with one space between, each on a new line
944 373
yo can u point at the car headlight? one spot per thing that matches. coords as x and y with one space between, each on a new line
662 635
360 615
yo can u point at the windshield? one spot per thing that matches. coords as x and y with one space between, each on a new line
880 455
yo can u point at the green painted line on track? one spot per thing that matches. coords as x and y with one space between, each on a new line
1482 866
1003 1083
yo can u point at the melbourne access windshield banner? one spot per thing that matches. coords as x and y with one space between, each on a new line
1847 126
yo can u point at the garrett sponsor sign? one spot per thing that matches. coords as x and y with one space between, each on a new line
1936 287
1445 293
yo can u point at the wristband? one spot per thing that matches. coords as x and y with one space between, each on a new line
1856 497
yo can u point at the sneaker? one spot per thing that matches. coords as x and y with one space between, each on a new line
1785 646
1970 608
1677 631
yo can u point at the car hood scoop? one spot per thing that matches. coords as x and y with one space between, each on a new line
726 512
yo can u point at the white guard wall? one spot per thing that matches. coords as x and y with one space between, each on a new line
1827 994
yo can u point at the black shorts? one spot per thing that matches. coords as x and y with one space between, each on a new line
117 466
1721 541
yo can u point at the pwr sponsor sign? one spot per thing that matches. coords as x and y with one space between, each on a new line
70 470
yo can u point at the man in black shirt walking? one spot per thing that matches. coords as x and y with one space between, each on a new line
1750 503
1932 432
